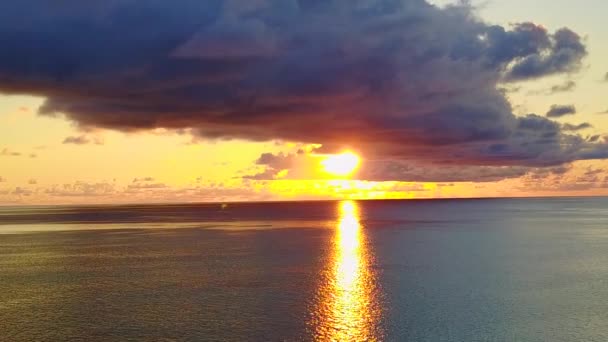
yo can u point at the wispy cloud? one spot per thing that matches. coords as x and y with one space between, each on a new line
20 191
579 127
83 140
557 111
564 87
9 153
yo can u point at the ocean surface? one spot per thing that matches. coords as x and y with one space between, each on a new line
428 270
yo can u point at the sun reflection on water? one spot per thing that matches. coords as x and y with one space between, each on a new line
347 308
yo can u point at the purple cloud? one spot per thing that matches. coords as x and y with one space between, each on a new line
570 127
398 80
557 111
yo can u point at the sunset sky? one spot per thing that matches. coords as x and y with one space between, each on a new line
178 101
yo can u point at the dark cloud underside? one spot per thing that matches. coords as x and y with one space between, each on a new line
399 79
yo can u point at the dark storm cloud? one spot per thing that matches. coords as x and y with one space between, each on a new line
564 54
399 79
557 111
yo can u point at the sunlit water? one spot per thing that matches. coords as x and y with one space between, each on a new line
460 270
348 308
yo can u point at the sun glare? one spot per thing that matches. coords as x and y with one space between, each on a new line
341 164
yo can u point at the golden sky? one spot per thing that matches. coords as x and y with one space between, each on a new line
61 157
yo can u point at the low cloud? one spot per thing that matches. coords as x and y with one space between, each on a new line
295 166
9 153
144 186
104 192
81 189
590 177
557 111
145 183
570 127
19 191
564 87
144 179
567 86
82 140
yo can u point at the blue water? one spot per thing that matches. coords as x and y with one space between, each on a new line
439 270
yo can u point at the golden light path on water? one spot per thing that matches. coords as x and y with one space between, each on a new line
348 309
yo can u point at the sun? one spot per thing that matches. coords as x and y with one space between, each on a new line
342 164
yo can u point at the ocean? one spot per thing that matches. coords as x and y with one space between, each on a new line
414 270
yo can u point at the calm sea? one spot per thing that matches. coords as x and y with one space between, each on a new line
440 270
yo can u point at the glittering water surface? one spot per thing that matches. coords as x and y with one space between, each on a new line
457 270
347 307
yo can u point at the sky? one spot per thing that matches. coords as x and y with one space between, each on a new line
239 100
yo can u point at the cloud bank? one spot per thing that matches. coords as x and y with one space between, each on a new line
400 80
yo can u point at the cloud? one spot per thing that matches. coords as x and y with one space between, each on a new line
564 87
82 140
557 111
558 88
81 189
19 191
145 183
144 186
9 153
572 179
570 127
303 166
105 192
397 80
144 179
563 53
